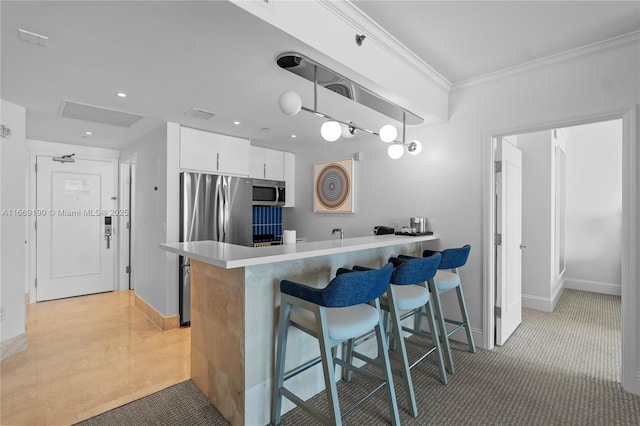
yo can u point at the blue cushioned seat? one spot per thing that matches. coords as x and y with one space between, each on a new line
347 307
406 296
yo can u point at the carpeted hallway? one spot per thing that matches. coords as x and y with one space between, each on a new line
557 368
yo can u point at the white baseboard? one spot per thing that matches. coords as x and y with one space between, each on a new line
13 345
593 286
539 303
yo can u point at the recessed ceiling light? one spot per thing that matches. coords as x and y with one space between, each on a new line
121 95
236 123
294 136
264 129
88 133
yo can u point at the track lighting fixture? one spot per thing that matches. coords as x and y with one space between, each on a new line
331 130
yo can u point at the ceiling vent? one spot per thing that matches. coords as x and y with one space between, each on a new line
97 114
199 114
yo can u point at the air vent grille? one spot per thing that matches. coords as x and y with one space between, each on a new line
97 114
200 114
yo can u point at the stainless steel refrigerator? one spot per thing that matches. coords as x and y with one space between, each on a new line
212 207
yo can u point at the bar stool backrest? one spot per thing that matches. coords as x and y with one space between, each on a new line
414 271
345 289
451 258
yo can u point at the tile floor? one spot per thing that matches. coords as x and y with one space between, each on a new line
85 356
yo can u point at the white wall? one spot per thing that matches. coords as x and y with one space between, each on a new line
150 216
444 182
12 238
156 217
594 207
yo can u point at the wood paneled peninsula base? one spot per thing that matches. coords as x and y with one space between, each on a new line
235 297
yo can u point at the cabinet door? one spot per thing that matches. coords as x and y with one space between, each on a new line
274 164
290 178
256 166
198 150
233 155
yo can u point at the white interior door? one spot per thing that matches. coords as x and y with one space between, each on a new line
73 201
508 251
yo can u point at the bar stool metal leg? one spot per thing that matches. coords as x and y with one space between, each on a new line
442 327
465 319
283 331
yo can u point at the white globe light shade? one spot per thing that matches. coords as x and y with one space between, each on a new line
330 131
414 147
395 151
290 103
388 133
347 131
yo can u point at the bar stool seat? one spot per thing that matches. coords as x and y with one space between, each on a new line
446 280
408 297
342 323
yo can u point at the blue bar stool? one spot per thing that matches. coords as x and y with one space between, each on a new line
406 296
448 278
347 307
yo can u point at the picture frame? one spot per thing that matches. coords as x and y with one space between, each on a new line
333 187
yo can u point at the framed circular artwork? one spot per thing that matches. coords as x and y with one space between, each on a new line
333 187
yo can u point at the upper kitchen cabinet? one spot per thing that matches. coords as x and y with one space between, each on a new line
233 154
210 152
290 179
267 163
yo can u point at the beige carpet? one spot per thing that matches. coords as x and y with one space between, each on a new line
558 368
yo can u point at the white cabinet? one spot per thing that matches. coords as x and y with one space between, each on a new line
213 153
266 163
233 154
290 178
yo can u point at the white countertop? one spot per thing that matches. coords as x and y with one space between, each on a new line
230 256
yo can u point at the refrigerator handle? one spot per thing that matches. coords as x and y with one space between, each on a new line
227 201
218 211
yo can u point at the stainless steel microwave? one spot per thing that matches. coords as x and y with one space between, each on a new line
268 192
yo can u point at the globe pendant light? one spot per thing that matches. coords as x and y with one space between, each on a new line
388 133
330 131
290 103
395 151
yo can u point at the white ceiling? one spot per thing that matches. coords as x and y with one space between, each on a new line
463 40
172 56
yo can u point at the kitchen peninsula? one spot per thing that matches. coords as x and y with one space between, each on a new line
235 295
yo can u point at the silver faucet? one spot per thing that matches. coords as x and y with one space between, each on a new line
338 230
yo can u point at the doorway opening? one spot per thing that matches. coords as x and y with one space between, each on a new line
626 169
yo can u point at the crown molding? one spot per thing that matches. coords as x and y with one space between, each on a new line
353 16
594 49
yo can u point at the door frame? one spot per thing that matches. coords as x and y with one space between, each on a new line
629 250
127 168
53 149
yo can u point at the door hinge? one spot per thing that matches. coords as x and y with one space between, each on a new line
498 239
497 166
36 167
36 282
127 269
497 310
128 225
35 225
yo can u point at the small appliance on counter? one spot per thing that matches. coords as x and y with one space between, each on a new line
417 226
383 230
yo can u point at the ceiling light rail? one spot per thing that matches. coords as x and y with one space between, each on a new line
290 103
